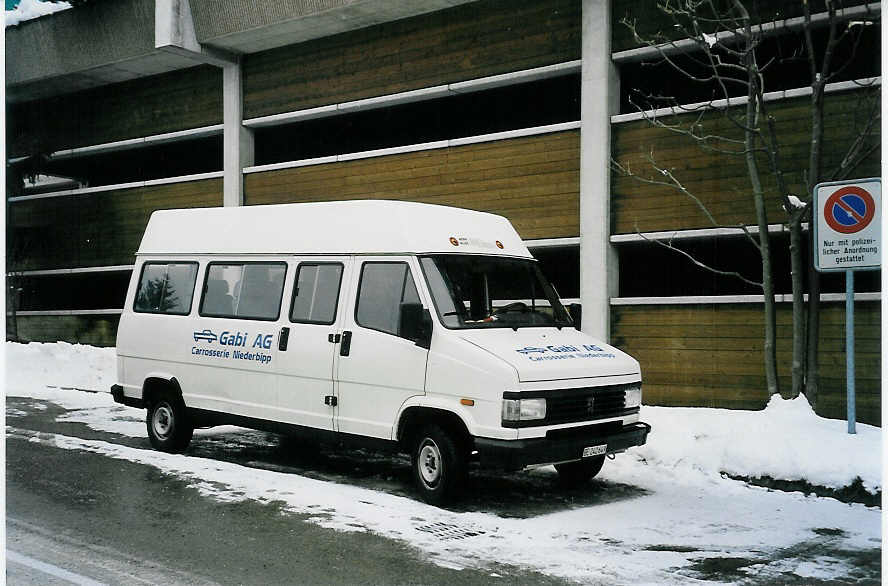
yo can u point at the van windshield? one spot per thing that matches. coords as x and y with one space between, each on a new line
472 291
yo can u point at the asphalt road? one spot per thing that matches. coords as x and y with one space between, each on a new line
74 516
77 517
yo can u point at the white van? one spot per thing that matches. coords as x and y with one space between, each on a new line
423 328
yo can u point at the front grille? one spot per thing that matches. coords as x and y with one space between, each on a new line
586 405
585 431
578 404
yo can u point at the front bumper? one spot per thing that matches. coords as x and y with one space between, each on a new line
119 397
563 445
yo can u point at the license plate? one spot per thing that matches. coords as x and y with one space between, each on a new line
595 451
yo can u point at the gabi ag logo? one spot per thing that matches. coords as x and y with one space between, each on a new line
237 339
547 353
559 349
206 336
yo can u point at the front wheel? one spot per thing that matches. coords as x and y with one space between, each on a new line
439 467
169 428
579 472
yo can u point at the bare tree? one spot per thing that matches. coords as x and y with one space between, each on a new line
721 52
823 70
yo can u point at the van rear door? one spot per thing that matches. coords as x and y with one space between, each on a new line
377 368
307 340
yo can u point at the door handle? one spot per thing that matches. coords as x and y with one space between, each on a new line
283 338
345 346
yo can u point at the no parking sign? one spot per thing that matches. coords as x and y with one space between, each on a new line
848 238
847 228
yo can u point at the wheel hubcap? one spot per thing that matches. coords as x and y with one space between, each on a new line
162 421
430 463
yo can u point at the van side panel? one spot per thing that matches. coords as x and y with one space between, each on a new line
221 364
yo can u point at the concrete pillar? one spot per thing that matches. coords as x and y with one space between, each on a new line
238 151
599 99
174 33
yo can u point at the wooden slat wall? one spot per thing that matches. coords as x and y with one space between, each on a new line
96 330
178 100
469 41
533 181
96 229
711 355
721 181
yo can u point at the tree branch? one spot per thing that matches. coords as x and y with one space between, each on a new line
668 245
677 185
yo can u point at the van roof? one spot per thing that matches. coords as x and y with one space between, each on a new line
342 227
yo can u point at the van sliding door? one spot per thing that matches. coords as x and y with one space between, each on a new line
307 342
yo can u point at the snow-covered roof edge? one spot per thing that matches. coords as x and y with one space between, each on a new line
31 9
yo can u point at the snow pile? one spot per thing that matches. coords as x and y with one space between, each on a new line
29 9
786 441
52 371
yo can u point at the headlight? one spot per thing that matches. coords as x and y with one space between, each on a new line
633 397
523 409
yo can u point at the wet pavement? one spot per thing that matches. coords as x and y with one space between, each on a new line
116 521
119 522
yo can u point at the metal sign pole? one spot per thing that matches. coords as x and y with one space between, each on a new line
849 351
848 237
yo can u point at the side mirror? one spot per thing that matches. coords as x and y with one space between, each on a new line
415 324
576 314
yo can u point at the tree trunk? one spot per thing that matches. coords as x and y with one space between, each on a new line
812 373
812 382
12 307
764 238
799 342
797 261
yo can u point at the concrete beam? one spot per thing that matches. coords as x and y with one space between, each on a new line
93 35
248 27
599 99
101 43
174 33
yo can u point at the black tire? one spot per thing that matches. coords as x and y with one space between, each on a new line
169 427
438 465
580 472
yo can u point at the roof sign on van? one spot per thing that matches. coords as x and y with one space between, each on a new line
476 242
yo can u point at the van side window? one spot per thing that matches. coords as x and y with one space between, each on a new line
244 290
166 288
384 287
316 293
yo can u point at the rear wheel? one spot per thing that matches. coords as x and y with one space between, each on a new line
169 427
439 466
579 472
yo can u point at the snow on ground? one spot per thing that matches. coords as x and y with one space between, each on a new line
28 9
786 441
679 509
776 442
